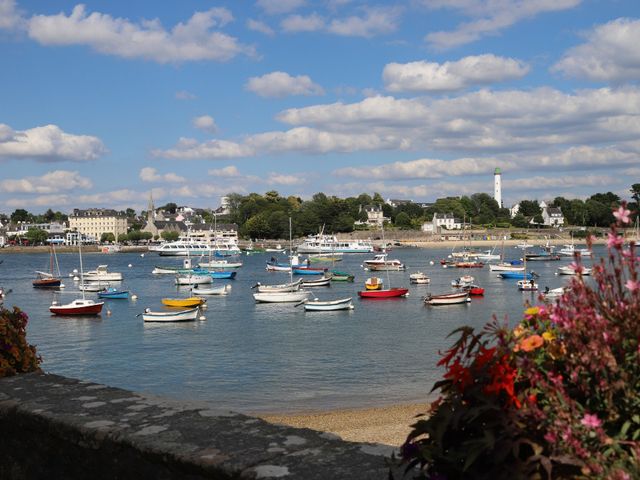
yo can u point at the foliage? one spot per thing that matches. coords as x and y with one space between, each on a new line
16 355
21 215
107 237
556 397
36 236
170 236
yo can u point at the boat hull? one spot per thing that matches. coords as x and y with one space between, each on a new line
342 304
280 297
182 316
516 275
120 294
47 283
321 282
387 293
193 280
79 307
183 302
223 290
447 299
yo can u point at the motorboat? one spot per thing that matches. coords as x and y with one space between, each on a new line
284 287
384 293
447 298
281 297
113 293
488 255
554 292
222 274
527 285
521 275
186 246
571 250
380 263
167 316
572 270
419 278
464 281
183 302
93 286
373 283
219 264
101 274
193 279
474 290
323 281
327 306
468 264
77 307
221 290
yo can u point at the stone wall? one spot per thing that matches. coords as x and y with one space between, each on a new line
56 427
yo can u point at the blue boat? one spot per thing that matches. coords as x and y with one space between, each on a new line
222 274
517 275
308 271
113 293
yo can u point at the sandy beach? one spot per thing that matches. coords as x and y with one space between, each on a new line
388 425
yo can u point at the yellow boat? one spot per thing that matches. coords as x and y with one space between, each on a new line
183 302
373 283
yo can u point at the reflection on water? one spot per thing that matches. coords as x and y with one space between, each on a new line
252 356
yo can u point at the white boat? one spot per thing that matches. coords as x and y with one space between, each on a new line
222 290
217 264
380 263
328 306
464 281
488 255
570 270
322 243
93 286
280 297
524 246
553 293
447 298
506 267
168 316
318 282
527 285
419 278
278 268
101 274
277 249
571 250
193 279
187 246
283 287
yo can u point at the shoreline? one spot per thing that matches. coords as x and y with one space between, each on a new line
388 425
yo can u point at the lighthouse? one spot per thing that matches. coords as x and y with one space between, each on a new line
497 186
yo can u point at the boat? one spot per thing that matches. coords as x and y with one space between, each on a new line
468 264
519 275
322 243
571 250
188 246
80 306
327 306
179 316
281 297
49 279
183 302
380 263
447 298
524 246
571 270
553 293
222 290
474 290
101 274
284 287
193 279
338 276
319 282
507 267
325 257
545 254
488 255
222 274
300 270
373 283
110 248
464 281
277 249
219 264
93 286
274 266
113 293
419 278
527 285
384 293
186 267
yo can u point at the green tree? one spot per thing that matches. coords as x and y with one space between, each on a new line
403 221
529 208
169 207
170 236
130 212
519 221
344 223
36 236
123 237
107 237
21 215
537 219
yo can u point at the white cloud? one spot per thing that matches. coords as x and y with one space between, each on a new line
303 23
184 95
10 17
281 84
488 18
48 144
206 123
449 76
190 149
610 54
280 179
225 172
51 182
375 21
276 7
193 40
258 26
150 174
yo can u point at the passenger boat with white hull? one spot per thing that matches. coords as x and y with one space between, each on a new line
331 244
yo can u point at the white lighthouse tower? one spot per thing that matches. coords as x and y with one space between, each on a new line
497 186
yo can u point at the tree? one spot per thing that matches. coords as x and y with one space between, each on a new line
107 237
529 208
48 216
537 219
519 221
36 236
403 221
123 237
21 215
169 207
170 236
130 212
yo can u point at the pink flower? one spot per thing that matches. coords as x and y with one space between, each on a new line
591 421
622 214
614 241
632 285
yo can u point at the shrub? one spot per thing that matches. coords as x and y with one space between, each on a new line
556 397
16 355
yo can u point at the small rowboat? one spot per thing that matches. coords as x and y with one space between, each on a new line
271 267
386 293
320 282
223 290
77 307
328 306
554 292
280 297
222 274
113 293
373 283
308 271
325 257
221 264
419 278
447 298
338 276
283 287
179 316
183 302
193 279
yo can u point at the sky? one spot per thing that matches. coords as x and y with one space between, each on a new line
105 102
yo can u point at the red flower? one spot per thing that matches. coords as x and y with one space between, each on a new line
460 375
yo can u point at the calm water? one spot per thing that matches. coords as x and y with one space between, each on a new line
261 357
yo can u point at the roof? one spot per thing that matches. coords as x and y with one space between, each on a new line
497 171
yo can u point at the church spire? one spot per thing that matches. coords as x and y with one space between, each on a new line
151 211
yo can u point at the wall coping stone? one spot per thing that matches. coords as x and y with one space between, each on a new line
53 425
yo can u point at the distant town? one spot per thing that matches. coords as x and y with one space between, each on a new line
257 216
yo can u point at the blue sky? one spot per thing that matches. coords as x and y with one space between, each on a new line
106 101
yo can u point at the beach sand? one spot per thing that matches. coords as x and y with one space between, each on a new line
388 425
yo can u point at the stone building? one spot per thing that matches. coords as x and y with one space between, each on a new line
94 222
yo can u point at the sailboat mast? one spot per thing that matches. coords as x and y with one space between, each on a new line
81 267
290 253
384 245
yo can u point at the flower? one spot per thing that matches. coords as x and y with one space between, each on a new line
548 336
532 311
622 214
632 285
519 331
591 421
530 343
614 240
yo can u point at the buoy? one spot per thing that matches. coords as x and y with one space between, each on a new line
449 256
142 255
147 310
71 275
54 303
202 317
75 270
76 279
108 312
444 266
134 297
431 262
129 265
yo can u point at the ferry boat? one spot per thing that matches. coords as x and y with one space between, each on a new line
187 246
330 244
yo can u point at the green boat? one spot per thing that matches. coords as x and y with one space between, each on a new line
338 276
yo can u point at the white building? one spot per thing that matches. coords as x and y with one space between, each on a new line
497 186
95 221
446 221
552 216
375 216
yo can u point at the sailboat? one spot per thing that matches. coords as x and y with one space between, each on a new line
528 285
384 292
505 266
49 279
80 306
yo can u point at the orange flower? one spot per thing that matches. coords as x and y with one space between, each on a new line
530 343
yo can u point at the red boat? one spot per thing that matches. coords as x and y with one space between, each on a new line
475 290
77 307
386 293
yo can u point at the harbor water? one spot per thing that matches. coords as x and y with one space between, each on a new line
263 357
